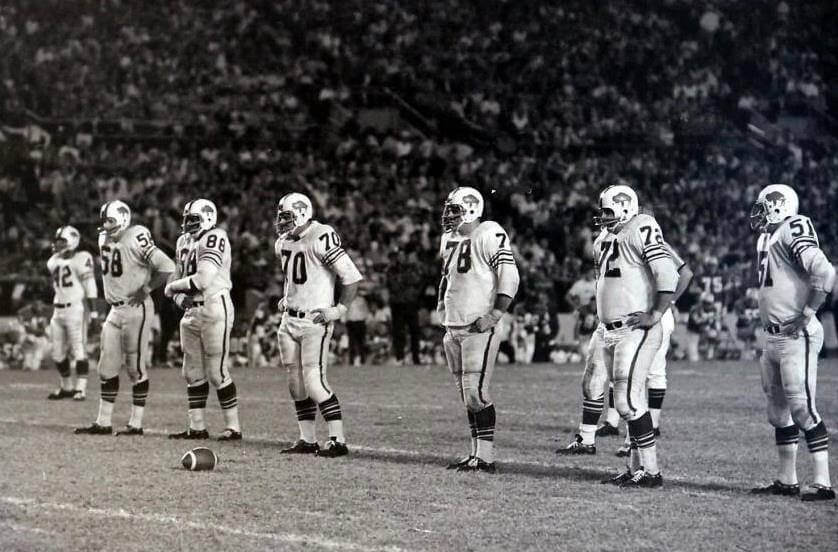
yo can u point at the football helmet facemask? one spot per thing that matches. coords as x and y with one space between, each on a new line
774 204
199 216
462 206
617 205
115 217
66 240
293 211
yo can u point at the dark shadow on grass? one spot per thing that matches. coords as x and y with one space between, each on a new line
547 470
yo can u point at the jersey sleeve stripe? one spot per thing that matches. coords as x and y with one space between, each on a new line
335 258
206 254
333 253
211 259
499 253
806 240
147 253
656 256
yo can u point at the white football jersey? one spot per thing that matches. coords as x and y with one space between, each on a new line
470 266
783 283
310 263
213 247
126 262
72 277
625 283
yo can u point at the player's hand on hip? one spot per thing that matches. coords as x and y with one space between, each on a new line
796 325
138 297
643 320
168 291
487 321
183 301
328 314
281 306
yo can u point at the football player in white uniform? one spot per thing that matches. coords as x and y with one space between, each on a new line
479 281
596 374
794 278
75 295
201 286
635 285
132 266
312 259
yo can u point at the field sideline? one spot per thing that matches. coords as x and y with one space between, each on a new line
59 491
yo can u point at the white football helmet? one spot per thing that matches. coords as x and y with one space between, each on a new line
617 205
774 204
66 240
115 217
199 216
293 211
462 206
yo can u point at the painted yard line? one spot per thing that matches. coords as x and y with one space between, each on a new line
17 528
268 440
163 519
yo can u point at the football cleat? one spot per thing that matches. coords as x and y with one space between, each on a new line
642 480
190 434
59 394
777 488
818 492
617 479
624 451
130 431
457 464
576 447
301 447
79 395
606 429
333 449
93 429
230 435
477 464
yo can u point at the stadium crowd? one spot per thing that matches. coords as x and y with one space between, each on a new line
539 105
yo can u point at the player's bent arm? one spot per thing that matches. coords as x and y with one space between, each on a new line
199 281
685 277
508 280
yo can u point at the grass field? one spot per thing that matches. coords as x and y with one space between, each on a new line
59 491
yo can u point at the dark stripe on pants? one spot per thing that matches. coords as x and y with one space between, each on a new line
224 339
322 350
140 346
485 363
631 368
806 380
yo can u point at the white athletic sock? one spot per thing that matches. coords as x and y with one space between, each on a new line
627 441
336 430
105 413
588 433
649 459
196 419
231 418
66 383
788 464
473 446
633 462
307 432
820 461
486 450
612 417
81 384
136 419
656 417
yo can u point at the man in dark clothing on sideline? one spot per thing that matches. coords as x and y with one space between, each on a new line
405 283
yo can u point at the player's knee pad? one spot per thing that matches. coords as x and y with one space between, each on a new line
474 400
317 387
778 414
803 416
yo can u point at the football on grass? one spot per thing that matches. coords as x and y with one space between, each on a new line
199 459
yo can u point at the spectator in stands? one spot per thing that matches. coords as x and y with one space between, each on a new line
586 324
582 290
704 327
